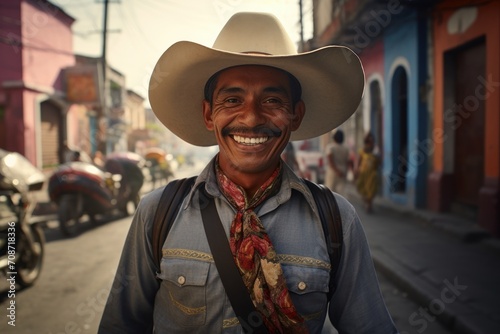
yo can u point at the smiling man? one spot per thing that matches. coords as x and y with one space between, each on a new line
250 94
252 113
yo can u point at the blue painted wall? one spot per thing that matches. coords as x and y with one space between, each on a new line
405 45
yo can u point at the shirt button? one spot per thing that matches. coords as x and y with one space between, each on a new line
181 280
302 286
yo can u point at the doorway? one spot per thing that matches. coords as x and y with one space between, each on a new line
468 65
51 133
399 100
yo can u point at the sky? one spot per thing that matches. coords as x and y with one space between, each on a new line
139 31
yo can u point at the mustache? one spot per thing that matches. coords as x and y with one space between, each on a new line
257 130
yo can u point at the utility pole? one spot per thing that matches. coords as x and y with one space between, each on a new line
105 113
301 20
104 39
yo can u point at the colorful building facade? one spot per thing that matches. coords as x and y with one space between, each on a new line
431 99
391 41
465 137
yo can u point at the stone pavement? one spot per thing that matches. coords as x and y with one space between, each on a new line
448 265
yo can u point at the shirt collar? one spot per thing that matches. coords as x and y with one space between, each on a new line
290 181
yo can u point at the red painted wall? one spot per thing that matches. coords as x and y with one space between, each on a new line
372 59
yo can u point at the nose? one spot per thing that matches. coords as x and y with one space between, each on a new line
252 114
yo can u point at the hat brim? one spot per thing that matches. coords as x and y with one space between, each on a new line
331 77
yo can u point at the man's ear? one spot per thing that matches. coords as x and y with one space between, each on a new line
298 114
207 115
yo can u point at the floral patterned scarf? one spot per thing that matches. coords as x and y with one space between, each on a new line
256 258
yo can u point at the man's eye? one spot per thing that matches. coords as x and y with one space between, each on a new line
272 100
231 100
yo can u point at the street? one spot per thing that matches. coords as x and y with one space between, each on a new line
70 295
71 292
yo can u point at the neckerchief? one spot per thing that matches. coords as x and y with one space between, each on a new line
256 258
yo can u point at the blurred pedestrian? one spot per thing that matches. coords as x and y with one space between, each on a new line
99 159
366 175
337 158
65 153
154 166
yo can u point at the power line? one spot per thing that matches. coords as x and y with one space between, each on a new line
18 43
135 21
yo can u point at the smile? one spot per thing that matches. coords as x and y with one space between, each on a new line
250 141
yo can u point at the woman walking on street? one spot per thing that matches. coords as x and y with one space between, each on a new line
367 172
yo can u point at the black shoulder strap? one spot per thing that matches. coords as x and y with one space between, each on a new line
171 199
332 227
230 275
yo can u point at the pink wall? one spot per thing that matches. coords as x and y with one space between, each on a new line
14 136
48 44
32 66
10 30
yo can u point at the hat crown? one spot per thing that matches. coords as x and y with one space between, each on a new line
255 33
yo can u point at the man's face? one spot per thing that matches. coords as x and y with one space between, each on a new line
252 116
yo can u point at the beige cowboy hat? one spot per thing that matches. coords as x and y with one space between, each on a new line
331 77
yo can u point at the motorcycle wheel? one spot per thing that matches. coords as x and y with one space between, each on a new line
69 210
29 264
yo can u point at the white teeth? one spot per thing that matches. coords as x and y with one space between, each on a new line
250 141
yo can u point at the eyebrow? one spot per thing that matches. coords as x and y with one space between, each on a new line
276 89
236 89
230 90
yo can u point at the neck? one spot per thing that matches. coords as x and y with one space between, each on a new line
250 182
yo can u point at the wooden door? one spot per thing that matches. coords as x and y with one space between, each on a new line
469 124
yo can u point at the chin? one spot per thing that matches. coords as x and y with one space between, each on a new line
253 167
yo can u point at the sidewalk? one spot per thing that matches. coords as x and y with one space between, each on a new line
448 265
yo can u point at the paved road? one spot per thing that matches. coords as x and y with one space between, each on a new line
72 289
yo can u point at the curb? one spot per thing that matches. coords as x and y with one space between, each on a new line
456 316
419 290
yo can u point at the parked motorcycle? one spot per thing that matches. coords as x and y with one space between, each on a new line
80 188
22 242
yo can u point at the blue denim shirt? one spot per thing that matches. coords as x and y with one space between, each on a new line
187 295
